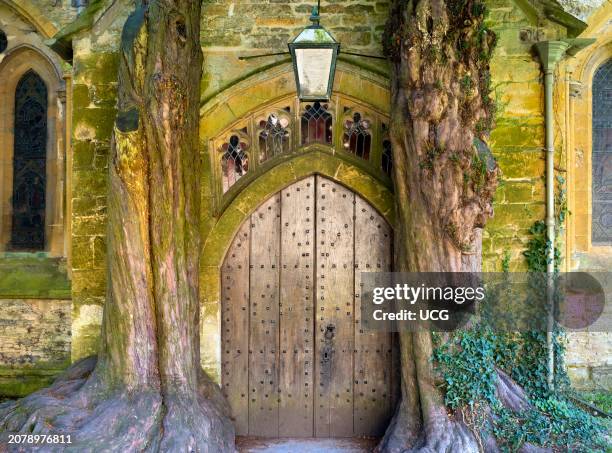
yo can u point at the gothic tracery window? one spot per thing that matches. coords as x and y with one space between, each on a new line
316 124
357 138
29 164
286 128
274 137
234 162
602 156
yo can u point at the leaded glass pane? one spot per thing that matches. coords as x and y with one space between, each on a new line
357 139
235 161
602 156
29 164
313 70
316 124
274 138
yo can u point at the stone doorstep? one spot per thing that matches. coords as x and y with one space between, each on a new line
305 445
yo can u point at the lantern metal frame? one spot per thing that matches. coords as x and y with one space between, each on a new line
329 42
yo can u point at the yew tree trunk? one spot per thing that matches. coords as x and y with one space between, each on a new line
439 52
147 391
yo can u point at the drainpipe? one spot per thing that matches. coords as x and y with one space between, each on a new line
550 53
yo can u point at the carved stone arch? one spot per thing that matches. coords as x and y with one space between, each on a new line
42 53
18 62
220 235
30 12
244 103
268 86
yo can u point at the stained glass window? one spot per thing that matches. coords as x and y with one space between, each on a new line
29 164
3 41
602 155
235 161
357 138
316 124
274 138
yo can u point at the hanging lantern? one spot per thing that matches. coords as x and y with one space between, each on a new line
314 52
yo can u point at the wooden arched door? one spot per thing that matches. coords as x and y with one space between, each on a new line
295 361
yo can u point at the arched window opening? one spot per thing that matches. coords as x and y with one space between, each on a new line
235 161
29 164
3 41
274 133
602 156
274 138
357 138
387 152
316 124
387 158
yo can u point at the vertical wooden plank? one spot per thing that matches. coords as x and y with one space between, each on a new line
373 350
396 378
334 307
296 304
235 321
263 328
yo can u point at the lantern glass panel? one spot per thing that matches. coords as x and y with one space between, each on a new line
313 69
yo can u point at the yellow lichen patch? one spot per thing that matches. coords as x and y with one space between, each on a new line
83 131
86 323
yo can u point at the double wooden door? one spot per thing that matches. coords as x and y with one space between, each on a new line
295 361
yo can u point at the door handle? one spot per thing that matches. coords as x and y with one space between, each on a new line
330 332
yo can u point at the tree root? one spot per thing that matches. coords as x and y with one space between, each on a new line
456 433
447 435
402 430
141 421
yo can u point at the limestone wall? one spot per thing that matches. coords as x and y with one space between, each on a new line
35 343
232 29
94 113
517 142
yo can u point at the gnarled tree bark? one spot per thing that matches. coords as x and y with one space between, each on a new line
439 52
146 391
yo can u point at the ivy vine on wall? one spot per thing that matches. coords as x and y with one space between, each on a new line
470 362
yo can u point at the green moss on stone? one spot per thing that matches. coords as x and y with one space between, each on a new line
33 276
97 68
16 382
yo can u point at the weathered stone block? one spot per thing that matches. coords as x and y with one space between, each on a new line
88 284
35 332
527 164
517 191
510 133
86 330
94 225
96 68
99 121
99 249
82 252
89 182
83 152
